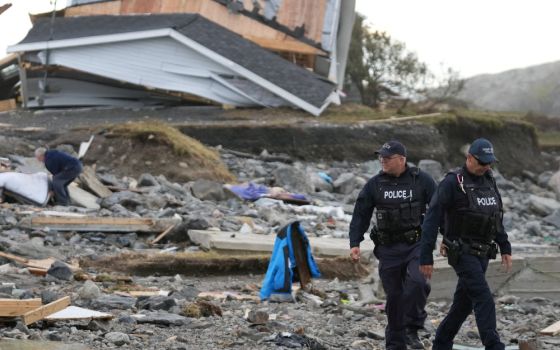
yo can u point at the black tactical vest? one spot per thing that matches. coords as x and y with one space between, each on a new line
399 203
476 217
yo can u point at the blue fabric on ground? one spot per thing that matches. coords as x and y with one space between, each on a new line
280 273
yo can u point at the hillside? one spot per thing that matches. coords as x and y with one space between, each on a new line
535 88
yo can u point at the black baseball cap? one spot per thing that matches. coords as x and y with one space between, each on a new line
390 148
483 151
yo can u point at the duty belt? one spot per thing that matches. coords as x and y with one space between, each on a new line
482 250
385 238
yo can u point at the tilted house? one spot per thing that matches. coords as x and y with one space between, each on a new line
138 59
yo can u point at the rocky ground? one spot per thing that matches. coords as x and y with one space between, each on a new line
337 315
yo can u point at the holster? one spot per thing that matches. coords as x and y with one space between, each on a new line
454 251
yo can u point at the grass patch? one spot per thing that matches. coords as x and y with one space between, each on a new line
549 139
182 145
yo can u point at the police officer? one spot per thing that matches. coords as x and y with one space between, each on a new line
399 194
64 169
469 203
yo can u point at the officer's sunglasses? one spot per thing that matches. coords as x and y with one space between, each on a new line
387 158
481 163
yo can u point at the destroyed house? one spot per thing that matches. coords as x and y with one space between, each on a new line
143 59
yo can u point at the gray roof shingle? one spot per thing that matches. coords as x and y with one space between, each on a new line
307 85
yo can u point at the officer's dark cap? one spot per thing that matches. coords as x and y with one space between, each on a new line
390 148
483 150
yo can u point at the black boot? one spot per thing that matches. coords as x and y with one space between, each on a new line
412 339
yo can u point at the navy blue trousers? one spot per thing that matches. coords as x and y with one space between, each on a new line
60 184
472 293
406 290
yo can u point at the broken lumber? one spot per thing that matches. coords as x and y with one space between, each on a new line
163 234
95 223
18 307
553 329
45 310
198 264
90 181
42 264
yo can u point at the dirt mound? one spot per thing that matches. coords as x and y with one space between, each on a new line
132 149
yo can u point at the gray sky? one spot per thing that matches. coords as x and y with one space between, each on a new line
14 23
473 37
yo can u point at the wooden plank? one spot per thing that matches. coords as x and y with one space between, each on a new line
17 307
553 329
163 234
34 263
45 310
300 254
37 271
7 105
102 224
286 44
15 258
90 223
91 182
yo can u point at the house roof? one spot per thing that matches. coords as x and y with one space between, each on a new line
294 79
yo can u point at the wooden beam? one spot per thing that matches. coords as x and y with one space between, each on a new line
43 264
163 234
95 223
285 45
7 105
45 310
93 184
300 255
553 329
17 307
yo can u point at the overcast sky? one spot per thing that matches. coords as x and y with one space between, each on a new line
473 37
14 23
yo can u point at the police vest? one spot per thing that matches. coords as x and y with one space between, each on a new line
477 216
399 203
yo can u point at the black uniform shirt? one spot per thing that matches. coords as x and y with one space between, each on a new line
449 193
367 199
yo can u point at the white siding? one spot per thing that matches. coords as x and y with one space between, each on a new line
160 63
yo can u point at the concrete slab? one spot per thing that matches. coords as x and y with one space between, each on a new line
248 243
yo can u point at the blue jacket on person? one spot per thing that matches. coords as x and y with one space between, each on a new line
57 161
280 274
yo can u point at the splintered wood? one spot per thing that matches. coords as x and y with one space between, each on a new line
102 224
553 329
17 307
45 310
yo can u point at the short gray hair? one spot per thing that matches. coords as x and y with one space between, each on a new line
40 151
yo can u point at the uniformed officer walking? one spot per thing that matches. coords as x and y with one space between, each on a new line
470 205
399 194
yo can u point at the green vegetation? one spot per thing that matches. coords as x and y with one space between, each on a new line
195 152
550 139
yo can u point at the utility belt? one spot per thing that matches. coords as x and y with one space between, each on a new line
387 238
456 248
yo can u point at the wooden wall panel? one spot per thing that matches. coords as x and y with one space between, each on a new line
294 13
181 6
140 6
102 8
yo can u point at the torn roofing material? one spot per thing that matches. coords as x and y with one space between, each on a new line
259 65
